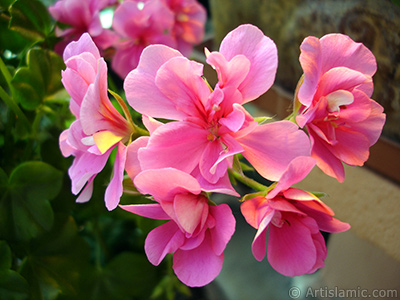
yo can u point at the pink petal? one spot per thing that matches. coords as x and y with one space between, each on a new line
132 165
259 245
310 59
199 266
224 227
260 50
179 79
291 249
140 88
178 145
164 184
223 185
271 147
297 170
162 240
339 50
86 193
326 161
190 210
84 44
152 211
115 189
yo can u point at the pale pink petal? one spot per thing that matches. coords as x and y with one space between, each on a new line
164 184
141 91
260 50
150 123
152 211
162 240
291 249
271 147
84 44
224 227
86 193
176 144
65 147
115 189
199 266
297 170
234 120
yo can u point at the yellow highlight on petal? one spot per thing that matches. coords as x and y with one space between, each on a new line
105 140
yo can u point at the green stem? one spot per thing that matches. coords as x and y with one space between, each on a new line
251 183
6 74
15 108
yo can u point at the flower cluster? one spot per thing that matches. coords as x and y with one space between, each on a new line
197 134
135 25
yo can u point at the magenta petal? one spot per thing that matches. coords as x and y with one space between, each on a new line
199 266
164 239
224 227
291 249
152 211
262 53
115 189
86 192
164 184
271 147
140 88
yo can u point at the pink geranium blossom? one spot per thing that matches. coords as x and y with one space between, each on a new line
294 219
81 16
98 127
139 24
190 18
197 232
335 105
212 126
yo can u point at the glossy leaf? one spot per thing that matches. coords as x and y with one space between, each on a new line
12 284
25 210
31 19
41 77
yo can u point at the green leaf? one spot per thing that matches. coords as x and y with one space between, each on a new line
56 262
41 77
12 285
128 276
31 19
25 210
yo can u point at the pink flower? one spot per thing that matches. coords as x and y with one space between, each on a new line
212 126
82 16
139 24
190 19
197 233
99 127
336 109
294 219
